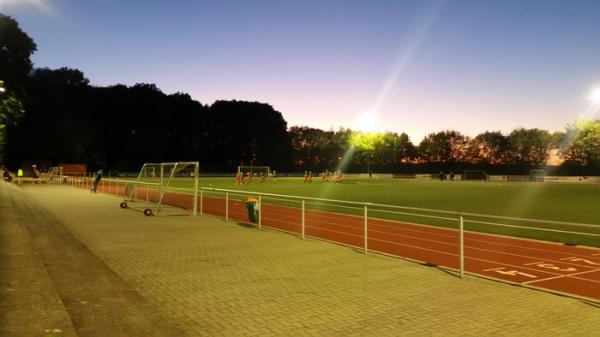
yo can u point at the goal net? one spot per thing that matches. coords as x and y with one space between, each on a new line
168 188
53 176
474 175
537 175
254 170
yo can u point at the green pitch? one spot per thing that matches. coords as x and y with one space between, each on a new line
546 201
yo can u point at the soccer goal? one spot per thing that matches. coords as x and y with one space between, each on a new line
53 176
474 175
537 175
168 188
255 170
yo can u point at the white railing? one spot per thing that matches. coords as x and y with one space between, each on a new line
209 202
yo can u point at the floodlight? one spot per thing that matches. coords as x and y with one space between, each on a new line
595 96
368 122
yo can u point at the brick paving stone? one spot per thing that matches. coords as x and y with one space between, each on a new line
215 278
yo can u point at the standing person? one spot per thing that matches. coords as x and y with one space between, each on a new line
310 177
305 176
20 176
35 174
263 177
5 174
96 181
274 176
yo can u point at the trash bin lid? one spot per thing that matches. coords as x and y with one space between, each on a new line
251 200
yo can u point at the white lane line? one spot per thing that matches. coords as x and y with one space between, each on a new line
492 269
527 264
567 275
576 259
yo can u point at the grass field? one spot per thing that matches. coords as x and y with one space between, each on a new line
545 201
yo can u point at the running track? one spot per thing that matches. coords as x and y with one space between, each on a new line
568 270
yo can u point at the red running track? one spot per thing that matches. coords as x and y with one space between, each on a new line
568 270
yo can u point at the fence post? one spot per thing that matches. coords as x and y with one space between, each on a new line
365 234
462 247
259 211
201 197
226 206
303 218
196 189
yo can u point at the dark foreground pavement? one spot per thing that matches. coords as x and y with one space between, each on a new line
74 261
51 282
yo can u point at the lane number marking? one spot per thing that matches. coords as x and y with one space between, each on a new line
510 272
551 266
578 259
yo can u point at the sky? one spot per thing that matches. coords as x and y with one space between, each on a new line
403 66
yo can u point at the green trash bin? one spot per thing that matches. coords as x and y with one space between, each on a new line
252 206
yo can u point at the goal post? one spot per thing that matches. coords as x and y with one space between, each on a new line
474 175
537 175
54 175
150 191
265 170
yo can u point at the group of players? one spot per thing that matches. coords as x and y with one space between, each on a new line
331 177
248 177
326 176
242 178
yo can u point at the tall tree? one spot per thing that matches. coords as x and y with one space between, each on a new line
16 48
391 149
444 147
581 143
489 148
529 146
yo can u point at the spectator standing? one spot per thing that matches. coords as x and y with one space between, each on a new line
96 181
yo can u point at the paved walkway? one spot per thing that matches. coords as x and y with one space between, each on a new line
201 276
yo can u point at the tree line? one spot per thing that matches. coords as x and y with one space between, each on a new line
55 116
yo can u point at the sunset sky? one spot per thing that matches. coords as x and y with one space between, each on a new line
418 66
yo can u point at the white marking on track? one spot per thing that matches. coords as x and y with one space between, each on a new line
568 275
578 259
492 269
550 266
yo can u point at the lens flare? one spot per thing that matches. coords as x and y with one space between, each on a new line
40 5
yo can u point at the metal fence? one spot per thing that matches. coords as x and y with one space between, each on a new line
408 232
